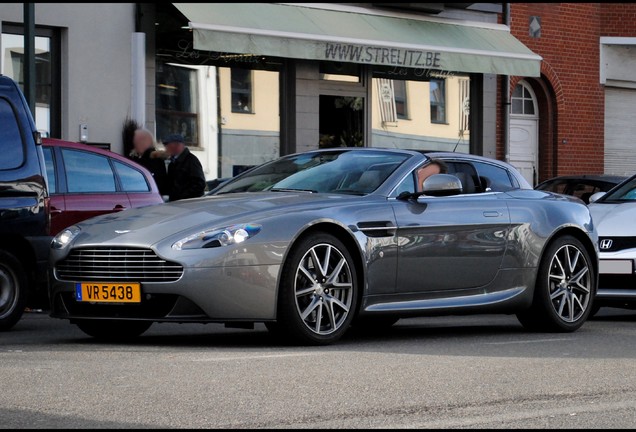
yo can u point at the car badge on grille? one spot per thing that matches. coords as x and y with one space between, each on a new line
122 231
606 244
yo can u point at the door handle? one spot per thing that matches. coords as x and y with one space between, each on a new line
119 207
493 214
54 210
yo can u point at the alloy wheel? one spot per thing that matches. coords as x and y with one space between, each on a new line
323 289
570 283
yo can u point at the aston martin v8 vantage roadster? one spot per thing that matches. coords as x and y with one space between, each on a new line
315 242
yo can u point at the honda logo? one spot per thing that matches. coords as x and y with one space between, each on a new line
606 244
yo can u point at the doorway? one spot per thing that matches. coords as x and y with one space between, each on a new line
341 121
524 132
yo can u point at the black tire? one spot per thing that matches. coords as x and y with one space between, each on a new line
13 290
594 310
113 330
548 311
334 289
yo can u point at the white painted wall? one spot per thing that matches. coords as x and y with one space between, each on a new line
95 64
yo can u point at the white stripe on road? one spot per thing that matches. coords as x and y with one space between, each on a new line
254 357
527 341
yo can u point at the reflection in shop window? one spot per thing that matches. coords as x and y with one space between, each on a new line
14 67
242 91
401 109
177 102
247 140
451 104
438 101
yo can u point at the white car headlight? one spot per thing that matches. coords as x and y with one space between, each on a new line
65 237
218 237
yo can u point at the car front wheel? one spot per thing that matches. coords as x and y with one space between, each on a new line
565 287
318 291
113 330
13 290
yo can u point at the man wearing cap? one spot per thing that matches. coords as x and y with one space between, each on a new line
185 173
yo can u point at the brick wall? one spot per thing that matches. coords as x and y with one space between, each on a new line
569 45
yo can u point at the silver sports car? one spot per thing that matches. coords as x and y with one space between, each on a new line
315 242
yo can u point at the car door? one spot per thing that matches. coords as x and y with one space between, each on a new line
136 185
450 243
91 187
57 202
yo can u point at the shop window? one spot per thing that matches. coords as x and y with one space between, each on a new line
177 98
441 124
401 108
47 67
242 100
438 101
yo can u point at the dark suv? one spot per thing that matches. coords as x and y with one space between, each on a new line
24 206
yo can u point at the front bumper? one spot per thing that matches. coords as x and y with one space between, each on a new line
617 278
218 294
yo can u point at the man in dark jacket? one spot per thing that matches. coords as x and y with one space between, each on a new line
185 173
147 156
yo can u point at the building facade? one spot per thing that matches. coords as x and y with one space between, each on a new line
577 117
246 83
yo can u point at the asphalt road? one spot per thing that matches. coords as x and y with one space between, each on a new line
448 372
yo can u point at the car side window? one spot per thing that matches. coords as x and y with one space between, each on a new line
50 168
86 172
406 185
131 179
555 186
11 145
467 174
494 178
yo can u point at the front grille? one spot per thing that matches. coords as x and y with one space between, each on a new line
616 243
117 264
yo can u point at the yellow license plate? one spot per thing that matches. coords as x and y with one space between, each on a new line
108 292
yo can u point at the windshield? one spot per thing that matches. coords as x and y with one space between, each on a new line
340 171
622 193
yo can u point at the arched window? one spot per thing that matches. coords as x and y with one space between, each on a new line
523 101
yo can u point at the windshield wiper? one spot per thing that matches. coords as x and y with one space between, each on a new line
292 190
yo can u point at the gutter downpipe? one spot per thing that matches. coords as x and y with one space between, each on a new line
505 93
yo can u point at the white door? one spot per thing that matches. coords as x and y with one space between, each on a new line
524 132
523 147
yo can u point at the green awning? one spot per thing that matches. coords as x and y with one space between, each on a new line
303 31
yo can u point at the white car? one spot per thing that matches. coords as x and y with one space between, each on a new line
614 214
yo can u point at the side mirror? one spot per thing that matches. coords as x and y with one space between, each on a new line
596 197
442 185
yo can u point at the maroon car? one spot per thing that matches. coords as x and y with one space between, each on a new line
86 181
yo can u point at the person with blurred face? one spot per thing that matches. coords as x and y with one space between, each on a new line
185 173
146 155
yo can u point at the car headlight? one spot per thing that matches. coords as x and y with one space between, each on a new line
65 237
218 237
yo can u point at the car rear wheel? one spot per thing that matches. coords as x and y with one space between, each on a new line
318 291
113 330
13 290
564 290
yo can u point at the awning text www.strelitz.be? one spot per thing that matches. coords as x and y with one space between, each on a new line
382 56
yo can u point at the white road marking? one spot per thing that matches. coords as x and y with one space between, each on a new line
254 357
527 341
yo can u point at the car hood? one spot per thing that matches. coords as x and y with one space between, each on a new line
148 225
618 220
